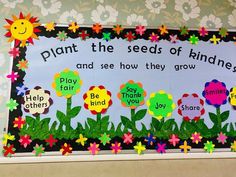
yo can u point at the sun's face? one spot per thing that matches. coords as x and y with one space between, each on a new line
22 29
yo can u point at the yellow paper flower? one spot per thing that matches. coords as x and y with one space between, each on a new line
97 99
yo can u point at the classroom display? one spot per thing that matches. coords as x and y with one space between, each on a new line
119 88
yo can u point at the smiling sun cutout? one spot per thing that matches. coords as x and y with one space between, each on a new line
22 29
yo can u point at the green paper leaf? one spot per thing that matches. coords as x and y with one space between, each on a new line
155 123
74 111
61 117
92 123
224 116
119 132
140 115
213 117
126 122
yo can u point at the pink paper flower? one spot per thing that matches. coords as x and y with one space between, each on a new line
215 93
25 140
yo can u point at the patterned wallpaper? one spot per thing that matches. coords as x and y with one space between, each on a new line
173 13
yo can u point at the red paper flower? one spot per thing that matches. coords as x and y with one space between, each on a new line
130 36
8 150
66 149
25 140
19 122
51 141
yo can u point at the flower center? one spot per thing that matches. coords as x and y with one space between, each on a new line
156 4
187 8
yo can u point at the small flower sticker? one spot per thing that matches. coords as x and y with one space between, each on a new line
215 93
131 94
160 104
191 107
37 101
97 99
67 83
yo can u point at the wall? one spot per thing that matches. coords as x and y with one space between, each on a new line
173 13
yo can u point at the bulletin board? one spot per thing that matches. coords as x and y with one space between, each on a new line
115 89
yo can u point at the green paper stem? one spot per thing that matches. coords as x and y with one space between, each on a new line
37 118
132 111
68 109
218 118
99 116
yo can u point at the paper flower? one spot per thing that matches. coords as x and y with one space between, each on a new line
223 32
81 140
215 93
13 76
130 36
22 64
131 94
12 104
97 99
8 150
139 148
51 141
37 101
83 35
215 40
62 36
232 97
203 32
50 26
19 122
73 27
106 36
209 146
66 149
191 107
67 83
196 137
154 37
140 30
222 138
173 38
116 147
163 30
6 137
161 148
117 29
193 39
14 52
25 140
160 104
105 139
184 30
97 28
233 146
22 29
128 138
38 150
21 89
94 148
174 139
150 139
185 147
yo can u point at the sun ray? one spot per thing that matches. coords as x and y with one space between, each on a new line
27 16
34 36
14 17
